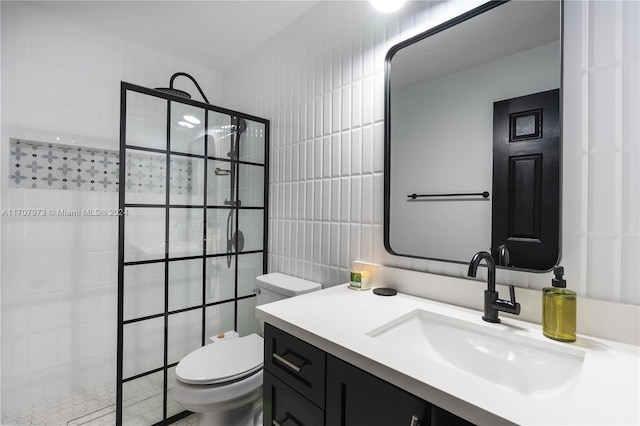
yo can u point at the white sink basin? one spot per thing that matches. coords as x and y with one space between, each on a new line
494 352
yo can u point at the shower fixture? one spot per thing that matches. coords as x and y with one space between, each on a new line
222 172
234 239
181 93
237 128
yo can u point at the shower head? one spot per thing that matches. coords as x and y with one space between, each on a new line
181 93
174 92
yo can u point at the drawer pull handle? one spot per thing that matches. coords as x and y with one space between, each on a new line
287 363
287 417
414 421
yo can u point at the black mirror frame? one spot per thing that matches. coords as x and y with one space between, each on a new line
387 125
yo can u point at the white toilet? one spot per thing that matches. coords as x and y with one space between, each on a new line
223 380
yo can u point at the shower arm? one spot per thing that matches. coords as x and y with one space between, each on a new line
173 77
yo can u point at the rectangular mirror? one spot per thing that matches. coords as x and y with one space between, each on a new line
473 138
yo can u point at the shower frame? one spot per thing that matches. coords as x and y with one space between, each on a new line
234 206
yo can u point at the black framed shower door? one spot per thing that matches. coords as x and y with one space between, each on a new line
192 238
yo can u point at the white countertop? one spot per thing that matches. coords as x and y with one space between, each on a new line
337 320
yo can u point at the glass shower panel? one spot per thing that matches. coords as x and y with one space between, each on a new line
185 232
221 133
144 236
143 346
219 319
251 222
218 182
252 143
251 185
173 407
142 400
187 129
217 220
185 284
247 321
143 290
145 177
184 334
146 121
180 281
187 181
220 279
249 267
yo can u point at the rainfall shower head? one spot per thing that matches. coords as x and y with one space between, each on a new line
174 92
181 93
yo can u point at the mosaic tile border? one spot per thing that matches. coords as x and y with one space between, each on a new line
42 165
39 165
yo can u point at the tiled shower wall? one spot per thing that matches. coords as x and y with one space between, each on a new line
321 81
61 85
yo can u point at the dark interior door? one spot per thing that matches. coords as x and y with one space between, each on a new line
526 180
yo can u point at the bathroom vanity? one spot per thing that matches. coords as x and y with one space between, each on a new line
344 357
305 384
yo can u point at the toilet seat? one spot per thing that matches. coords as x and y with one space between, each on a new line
222 362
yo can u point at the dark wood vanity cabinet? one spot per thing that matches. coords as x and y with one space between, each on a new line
355 397
296 373
294 379
284 406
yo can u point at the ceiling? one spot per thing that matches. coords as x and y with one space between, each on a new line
213 33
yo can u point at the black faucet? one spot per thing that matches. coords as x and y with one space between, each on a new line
503 255
493 305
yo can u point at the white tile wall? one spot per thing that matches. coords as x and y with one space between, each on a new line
321 83
61 80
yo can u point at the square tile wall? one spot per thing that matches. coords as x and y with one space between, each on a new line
321 82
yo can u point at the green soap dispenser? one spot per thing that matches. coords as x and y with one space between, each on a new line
559 309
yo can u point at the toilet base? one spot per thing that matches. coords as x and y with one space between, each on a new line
239 416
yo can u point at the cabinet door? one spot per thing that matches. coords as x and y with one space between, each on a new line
356 398
284 406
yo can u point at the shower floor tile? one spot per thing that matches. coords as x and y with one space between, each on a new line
91 407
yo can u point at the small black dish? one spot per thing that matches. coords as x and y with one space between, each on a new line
385 291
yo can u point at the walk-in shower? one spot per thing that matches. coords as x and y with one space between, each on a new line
192 237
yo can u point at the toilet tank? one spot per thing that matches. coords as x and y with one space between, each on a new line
277 286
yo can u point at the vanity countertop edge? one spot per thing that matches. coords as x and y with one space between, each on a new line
337 320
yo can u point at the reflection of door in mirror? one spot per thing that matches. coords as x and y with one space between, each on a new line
526 185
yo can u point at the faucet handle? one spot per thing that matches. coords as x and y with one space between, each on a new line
512 296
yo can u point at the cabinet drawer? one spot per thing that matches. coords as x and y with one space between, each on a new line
296 363
286 406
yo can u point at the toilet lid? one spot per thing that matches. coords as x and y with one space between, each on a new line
222 361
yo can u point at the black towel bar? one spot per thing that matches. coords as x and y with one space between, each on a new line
484 194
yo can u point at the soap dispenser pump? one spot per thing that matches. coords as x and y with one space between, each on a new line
559 309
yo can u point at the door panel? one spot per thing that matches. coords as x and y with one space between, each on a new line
526 181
